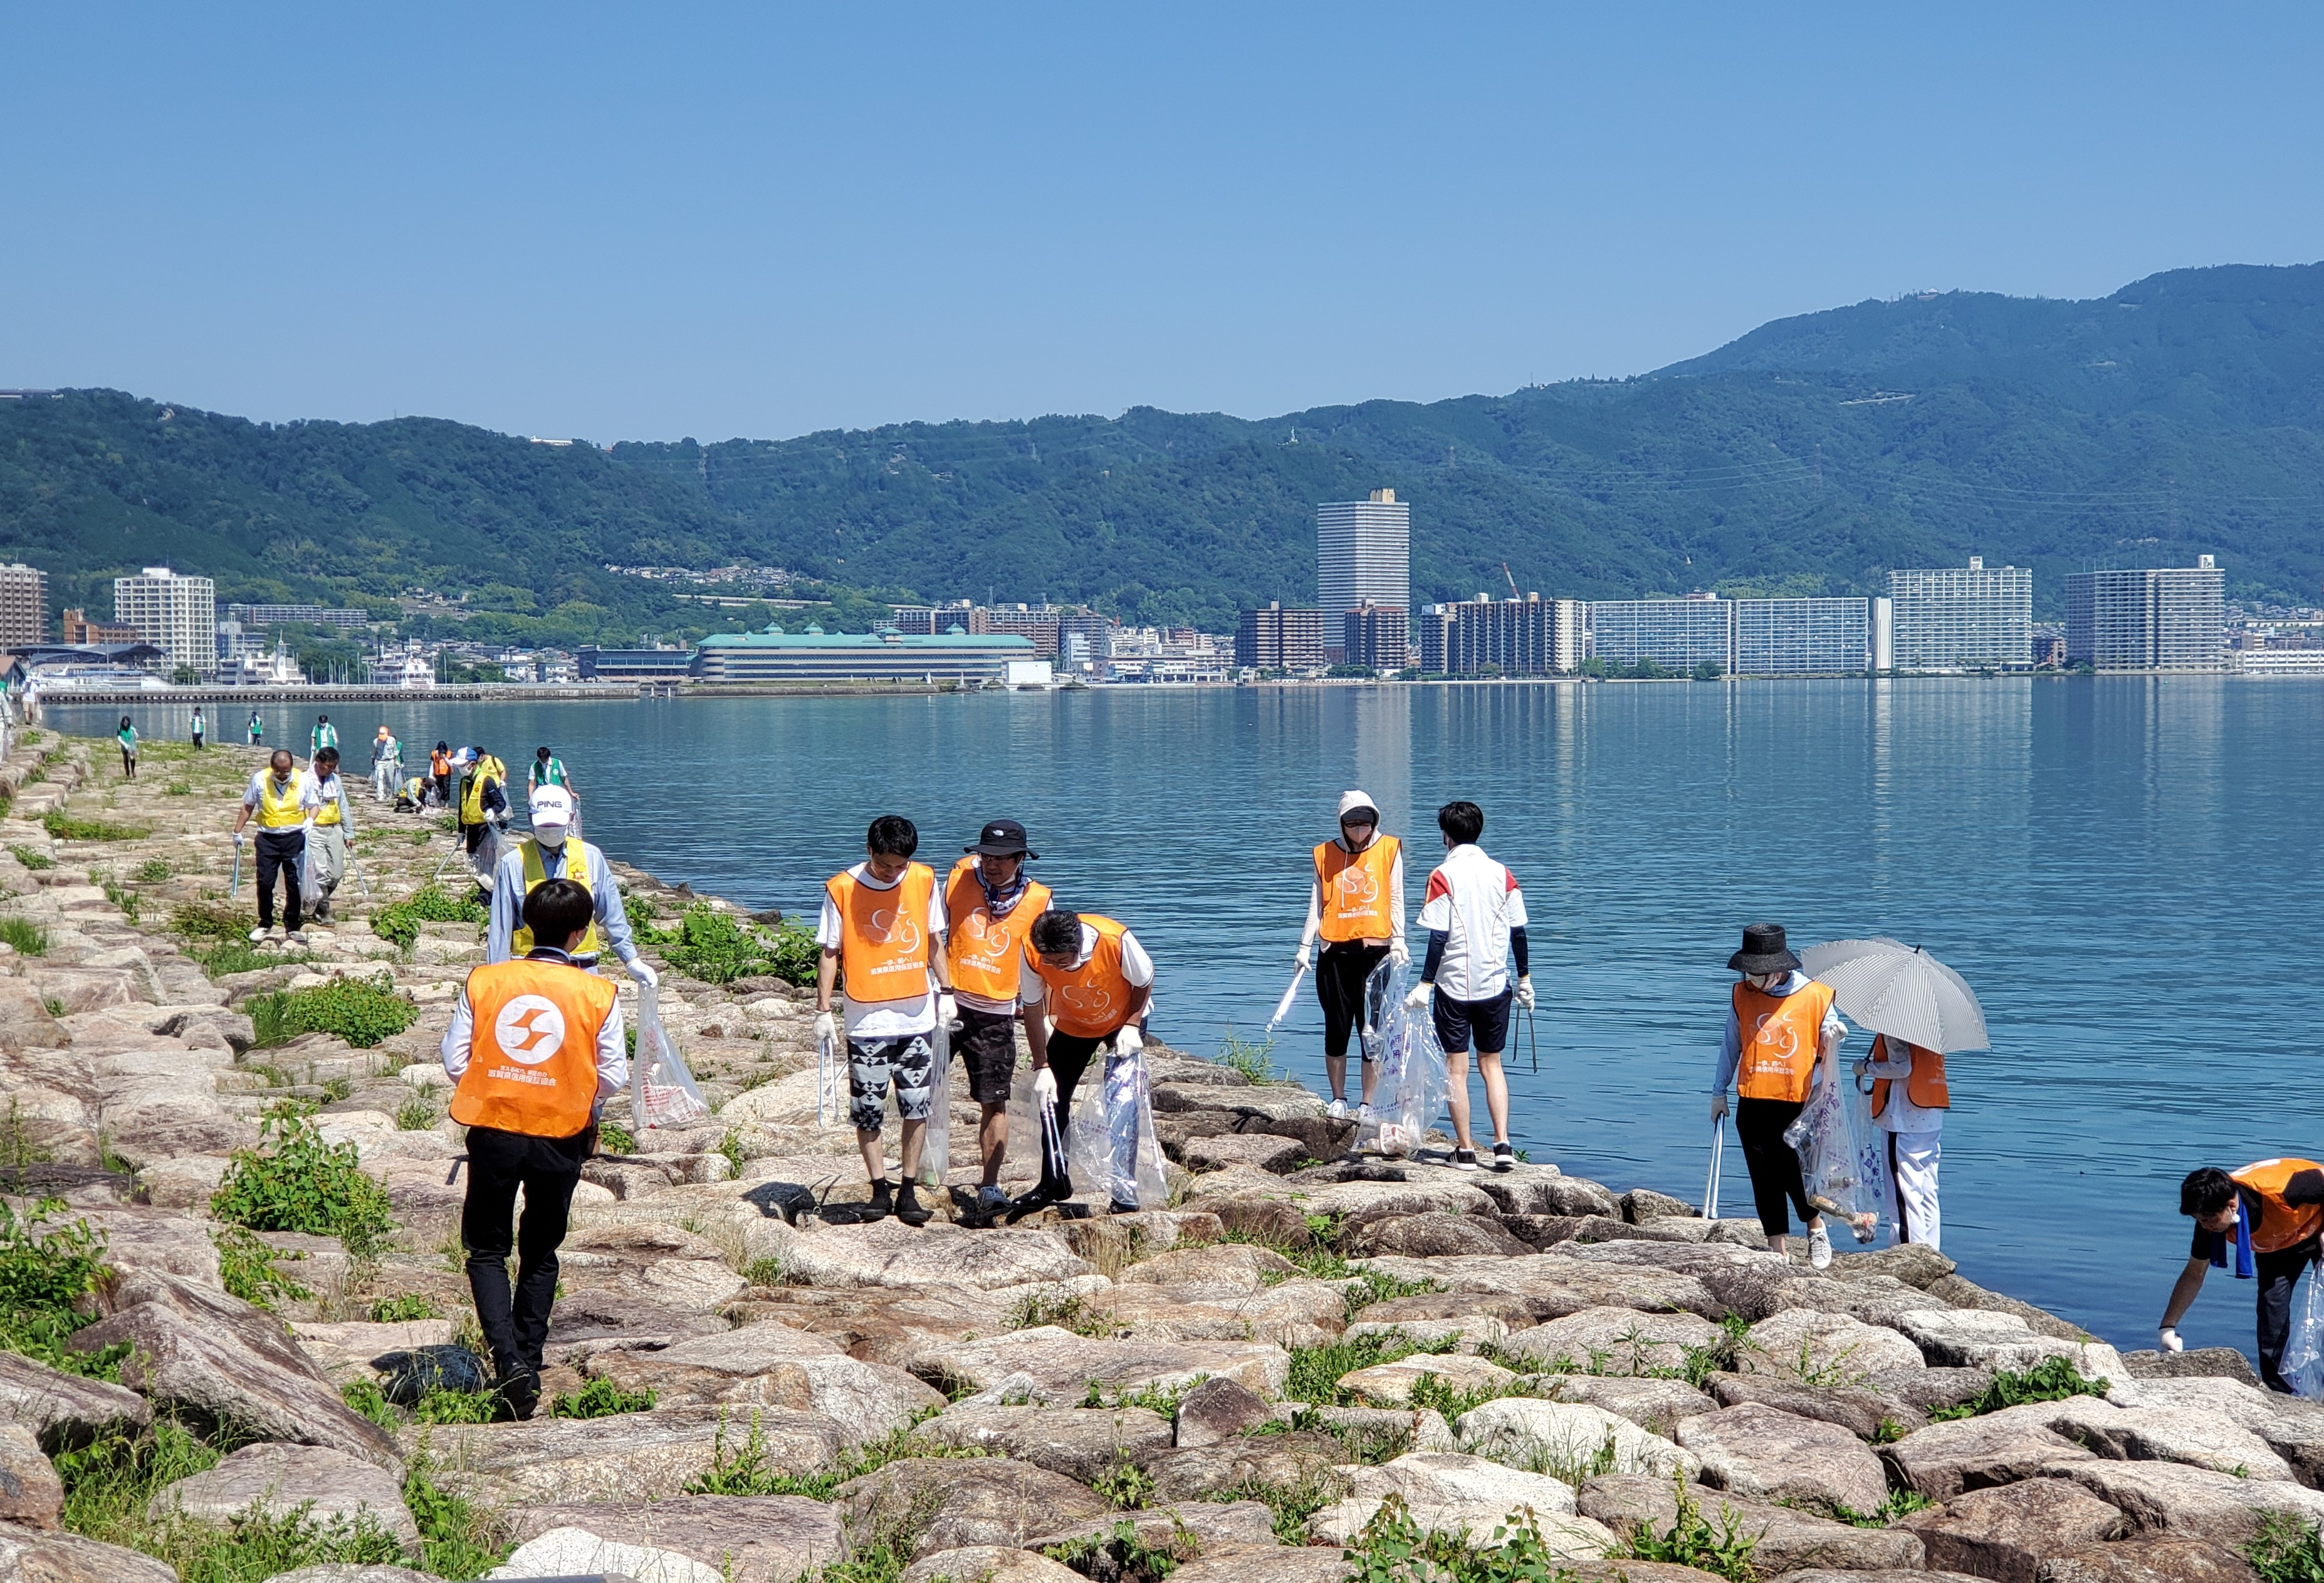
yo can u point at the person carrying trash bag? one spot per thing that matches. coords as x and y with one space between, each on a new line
1355 904
2261 1223
1095 983
386 764
535 1049
1781 1028
1475 917
882 927
483 810
1909 1102
989 903
283 798
552 852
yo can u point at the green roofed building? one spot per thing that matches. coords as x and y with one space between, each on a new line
818 656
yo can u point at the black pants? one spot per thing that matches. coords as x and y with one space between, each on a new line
472 836
1774 1167
2278 1273
443 790
279 852
547 1168
197 739
1340 973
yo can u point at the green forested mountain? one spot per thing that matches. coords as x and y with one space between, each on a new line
2183 413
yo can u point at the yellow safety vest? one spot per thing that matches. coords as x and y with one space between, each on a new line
471 795
330 814
535 875
278 806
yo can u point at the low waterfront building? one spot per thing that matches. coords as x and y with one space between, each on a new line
2284 662
818 656
634 664
2158 618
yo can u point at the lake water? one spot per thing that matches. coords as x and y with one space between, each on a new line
2127 870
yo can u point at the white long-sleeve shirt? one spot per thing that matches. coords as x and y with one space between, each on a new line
1314 924
1901 1115
613 1044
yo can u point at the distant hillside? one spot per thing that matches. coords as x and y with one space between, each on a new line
2184 413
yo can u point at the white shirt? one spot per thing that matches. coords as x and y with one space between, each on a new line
1475 902
1314 924
885 1019
1137 968
613 1045
1901 1115
311 800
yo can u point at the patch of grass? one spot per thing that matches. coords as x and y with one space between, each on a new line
2286 1549
718 947
64 827
600 1399
49 1271
27 937
1158 1399
744 1470
1316 1261
443 1406
1452 1401
2053 1379
1691 1541
365 1397
53 1006
1392 1547
456 1537
731 1146
1376 1287
1122 1556
178 788
362 1011
403 1308
30 858
209 920
414 1115
1254 1058
295 1181
246 1268
1315 1371
614 1138
1125 1486
399 922
1071 1312
764 1272
1888 1432
118 894
1901 1503
153 871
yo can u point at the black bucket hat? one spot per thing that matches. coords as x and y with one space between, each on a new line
1003 838
1763 951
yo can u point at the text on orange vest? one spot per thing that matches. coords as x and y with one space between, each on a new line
1092 1001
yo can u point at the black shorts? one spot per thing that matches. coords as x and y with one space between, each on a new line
1488 1019
986 1045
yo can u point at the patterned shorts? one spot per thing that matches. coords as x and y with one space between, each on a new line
869 1063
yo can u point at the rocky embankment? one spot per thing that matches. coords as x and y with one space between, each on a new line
1307 1347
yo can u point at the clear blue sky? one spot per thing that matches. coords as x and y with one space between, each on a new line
648 222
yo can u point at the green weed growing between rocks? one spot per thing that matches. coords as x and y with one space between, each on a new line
362 1011
600 1399
716 947
64 827
1121 1556
743 1469
2053 1379
48 1274
34 860
1691 1541
27 937
398 923
295 1181
1392 1547
246 1268
1315 1371
2286 1549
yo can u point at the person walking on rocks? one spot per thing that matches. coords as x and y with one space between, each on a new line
548 770
1356 905
882 928
1909 1100
197 727
552 852
282 799
483 810
128 736
1095 983
386 764
1781 1029
2261 1223
536 1048
990 902
332 829
1475 917
324 735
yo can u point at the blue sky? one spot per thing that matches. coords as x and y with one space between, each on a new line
649 222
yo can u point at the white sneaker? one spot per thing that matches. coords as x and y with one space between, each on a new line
1819 1248
256 935
1364 1115
1337 1110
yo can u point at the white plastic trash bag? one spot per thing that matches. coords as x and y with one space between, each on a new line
936 1147
1409 1095
662 1092
1110 1140
310 875
2304 1351
1843 1159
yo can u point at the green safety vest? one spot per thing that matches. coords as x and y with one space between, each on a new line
535 875
549 774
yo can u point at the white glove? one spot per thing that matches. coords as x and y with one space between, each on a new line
1398 953
947 1008
1128 1040
1718 1107
1045 1088
1524 992
1864 1066
2170 1340
237 838
1418 998
1301 960
827 1029
643 971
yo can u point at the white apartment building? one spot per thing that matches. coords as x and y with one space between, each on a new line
179 614
1364 554
2161 618
24 605
1742 637
1962 619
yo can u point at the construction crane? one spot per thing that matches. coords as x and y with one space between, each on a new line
1513 581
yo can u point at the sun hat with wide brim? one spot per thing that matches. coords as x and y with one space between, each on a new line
1763 951
1003 838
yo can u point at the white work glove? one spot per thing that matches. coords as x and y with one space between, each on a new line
1418 998
1524 992
1128 1040
237 838
1045 1087
1398 953
1301 960
643 971
2168 1339
827 1029
1718 1107
1863 1067
947 1008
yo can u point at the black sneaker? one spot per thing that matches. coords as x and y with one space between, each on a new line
1118 1208
1464 1159
1505 1158
520 1393
908 1209
880 1207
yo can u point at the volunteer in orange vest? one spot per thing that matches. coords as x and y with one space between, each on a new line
1355 902
1909 1100
1096 984
1780 1027
536 1048
883 926
2261 1222
989 903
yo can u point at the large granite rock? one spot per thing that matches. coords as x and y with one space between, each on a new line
933 1503
1217 1411
1080 1442
1823 1348
1569 1436
2193 1435
1446 1491
2148 1558
1554 1284
31 1493
64 1411
992 1563
746 1539
1235 1267
1944 1460
1787 1537
220 1361
1609 1341
888 1253
2006 1533
38 1555
1391 1385
631 1456
2171 1497
576 1553
2226 1363
1654 1406
1434 1235
774 1366
1765 1454
1059 1366
329 1486
1308 1460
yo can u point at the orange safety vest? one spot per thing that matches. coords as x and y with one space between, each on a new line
1091 1001
533 1055
2280 1225
1782 1035
1355 887
883 934
1925 1086
984 951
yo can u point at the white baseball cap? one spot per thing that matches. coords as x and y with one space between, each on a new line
552 805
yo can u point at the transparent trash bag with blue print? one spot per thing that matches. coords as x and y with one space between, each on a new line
1410 1092
936 1144
310 876
2303 1351
1843 1156
1110 1141
662 1092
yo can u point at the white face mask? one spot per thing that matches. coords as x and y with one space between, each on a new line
549 834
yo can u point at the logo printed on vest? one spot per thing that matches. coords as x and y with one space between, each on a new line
1358 885
891 927
530 1030
1786 1044
1091 1001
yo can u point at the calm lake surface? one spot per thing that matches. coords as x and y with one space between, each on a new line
2127 870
